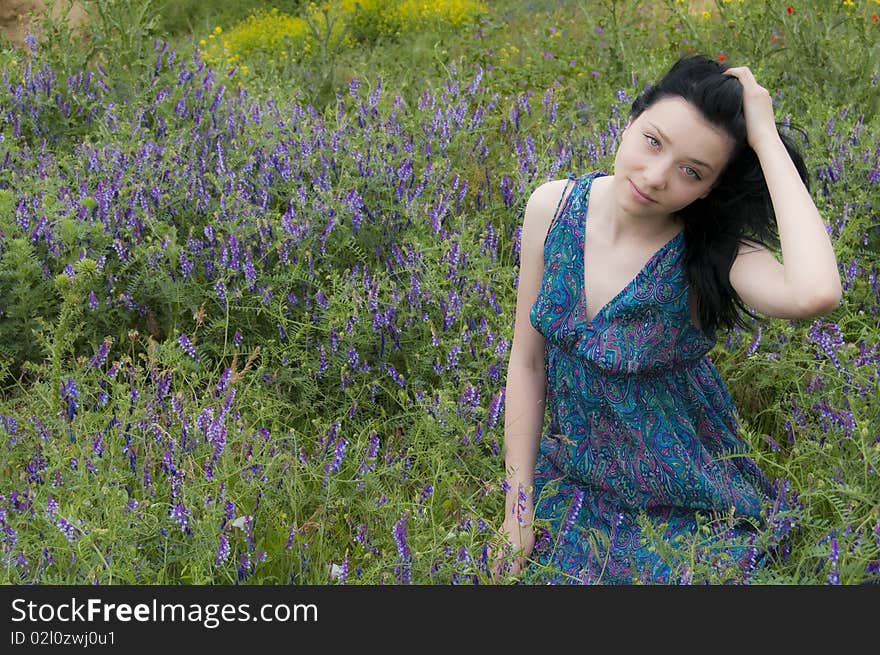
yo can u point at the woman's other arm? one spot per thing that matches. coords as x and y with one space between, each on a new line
525 391
807 282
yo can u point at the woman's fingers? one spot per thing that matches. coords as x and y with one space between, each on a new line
747 79
757 106
741 72
501 562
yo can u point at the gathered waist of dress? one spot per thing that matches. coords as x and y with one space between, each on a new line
610 363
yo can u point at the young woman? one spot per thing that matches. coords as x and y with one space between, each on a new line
624 279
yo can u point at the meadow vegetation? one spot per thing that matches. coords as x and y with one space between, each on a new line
258 270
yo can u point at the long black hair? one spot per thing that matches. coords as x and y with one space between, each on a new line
738 207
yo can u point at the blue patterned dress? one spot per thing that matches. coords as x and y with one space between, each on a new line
640 420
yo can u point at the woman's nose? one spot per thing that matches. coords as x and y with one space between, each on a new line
655 174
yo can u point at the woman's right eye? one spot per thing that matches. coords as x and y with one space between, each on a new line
654 143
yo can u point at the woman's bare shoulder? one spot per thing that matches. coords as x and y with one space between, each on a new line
544 201
540 210
548 194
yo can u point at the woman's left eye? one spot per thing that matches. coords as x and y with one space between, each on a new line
690 172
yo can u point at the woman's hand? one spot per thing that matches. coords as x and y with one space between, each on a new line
521 540
757 107
519 512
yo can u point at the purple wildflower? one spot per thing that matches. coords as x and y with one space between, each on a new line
100 355
244 566
223 550
323 363
452 357
187 346
181 515
468 400
521 500
69 530
424 495
9 423
397 377
789 431
573 511
399 533
833 557
249 531
495 408
753 347
70 393
828 338
772 443
340 573
686 576
220 290
338 455
225 377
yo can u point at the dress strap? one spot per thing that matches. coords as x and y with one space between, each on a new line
571 178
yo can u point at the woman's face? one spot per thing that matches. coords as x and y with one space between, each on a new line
668 157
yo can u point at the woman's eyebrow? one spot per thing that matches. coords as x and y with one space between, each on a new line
691 159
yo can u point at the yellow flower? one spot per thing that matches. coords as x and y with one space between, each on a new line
707 15
202 42
268 31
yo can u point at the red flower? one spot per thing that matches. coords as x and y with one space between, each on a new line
721 57
875 18
773 38
789 10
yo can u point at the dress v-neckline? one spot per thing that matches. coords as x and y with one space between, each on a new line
582 239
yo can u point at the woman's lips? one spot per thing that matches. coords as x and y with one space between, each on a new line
639 195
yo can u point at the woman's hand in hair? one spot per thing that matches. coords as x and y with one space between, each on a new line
757 107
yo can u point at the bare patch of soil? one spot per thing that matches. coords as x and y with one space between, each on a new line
17 17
